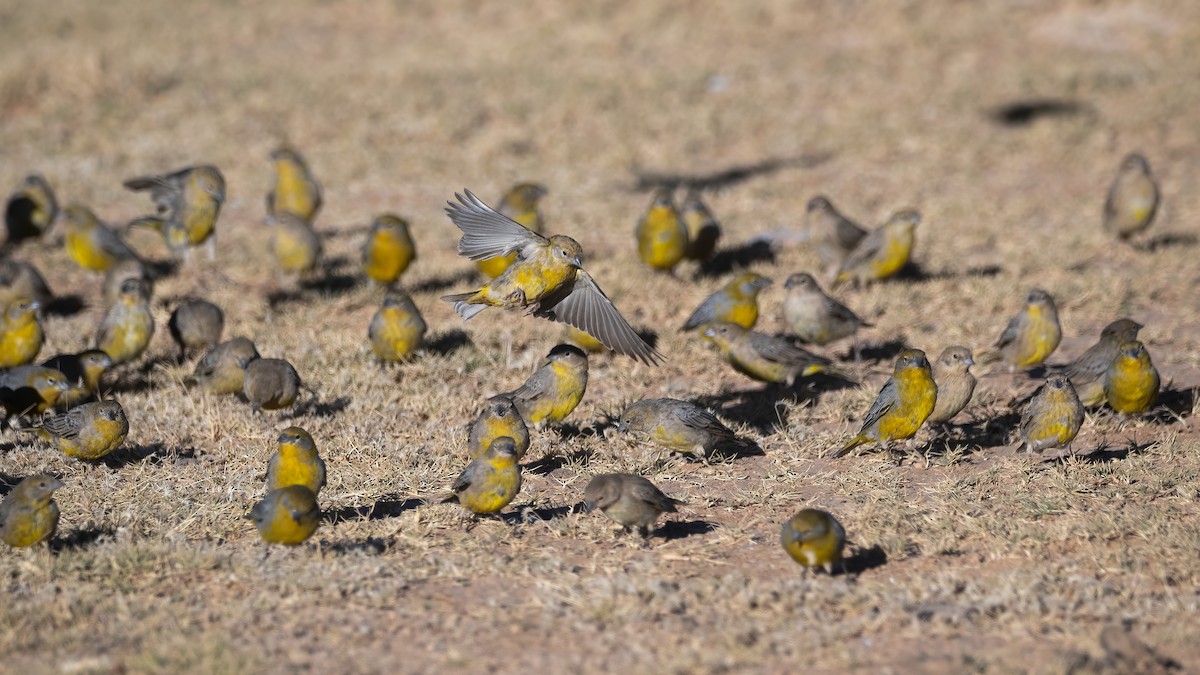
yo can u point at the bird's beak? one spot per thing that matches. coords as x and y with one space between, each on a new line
56 484
588 506
970 361
577 262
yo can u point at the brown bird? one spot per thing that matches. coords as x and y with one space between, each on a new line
815 317
834 235
223 370
632 501
1132 199
195 325
271 384
21 281
955 384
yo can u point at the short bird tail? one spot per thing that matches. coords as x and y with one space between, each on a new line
463 305
854 443
153 222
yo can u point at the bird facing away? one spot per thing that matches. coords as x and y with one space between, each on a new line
631 501
83 372
296 191
521 204
21 334
662 236
27 390
1088 371
833 234
679 426
555 388
813 316
955 384
87 431
29 514
736 302
491 481
1131 383
766 358
1132 198
188 202
196 325
1052 418
91 243
815 539
271 384
223 370
703 229
128 325
31 209
389 249
547 279
294 242
288 515
499 418
296 462
902 405
884 252
397 330
1032 335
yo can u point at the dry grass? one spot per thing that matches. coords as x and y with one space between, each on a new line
971 560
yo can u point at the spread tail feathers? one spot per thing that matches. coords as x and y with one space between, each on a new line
463 306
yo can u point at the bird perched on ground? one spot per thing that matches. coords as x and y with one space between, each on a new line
703 229
389 249
294 242
87 431
521 204
955 383
223 370
195 325
31 209
678 425
188 202
1088 371
22 281
90 243
83 372
128 325
815 317
883 252
662 236
632 501
499 417
397 330
1031 335
29 514
271 384
548 278
766 358
1132 198
902 405
296 462
555 388
1052 418
490 481
26 390
736 302
815 539
296 191
130 268
833 234
21 334
287 515
1131 383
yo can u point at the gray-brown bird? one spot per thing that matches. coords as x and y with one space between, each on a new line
223 369
632 501
1132 198
884 252
766 358
679 426
813 316
271 384
703 229
30 390
196 325
1087 372
31 209
127 268
21 281
833 234
955 384
1052 418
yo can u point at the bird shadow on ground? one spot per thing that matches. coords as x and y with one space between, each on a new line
65 305
739 257
1023 113
448 342
914 272
763 410
385 507
682 529
133 454
553 462
863 559
991 432
877 352
1167 241
441 283
7 483
1173 406
314 407
646 181
529 514
330 283
80 538
370 545
1109 453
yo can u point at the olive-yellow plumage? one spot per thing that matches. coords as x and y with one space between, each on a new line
736 302
632 501
397 330
520 204
491 481
296 462
499 418
389 249
677 425
1089 370
766 358
21 334
902 405
128 324
1032 335
1132 198
662 236
271 384
28 390
83 372
1053 417
287 515
189 201
1131 383
555 388
87 431
883 252
90 243
29 514
223 369
294 243
815 539
296 191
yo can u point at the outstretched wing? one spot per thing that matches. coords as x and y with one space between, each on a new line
486 232
587 308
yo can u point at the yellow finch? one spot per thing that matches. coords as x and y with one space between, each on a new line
188 202
26 390
223 369
87 431
82 372
1131 384
288 515
397 330
1053 416
1032 335
490 481
814 539
128 325
1088 371
736 302
677 425
766 358
22 281
555 388
295 191
883 252
389 249
902 405
1132 198
296 462
500 417
703 229
90 243
662 236
29 514
521 204
294 242
21 334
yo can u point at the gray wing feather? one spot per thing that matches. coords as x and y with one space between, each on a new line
587 308
486 232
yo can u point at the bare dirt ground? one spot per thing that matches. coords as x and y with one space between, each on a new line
973 560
